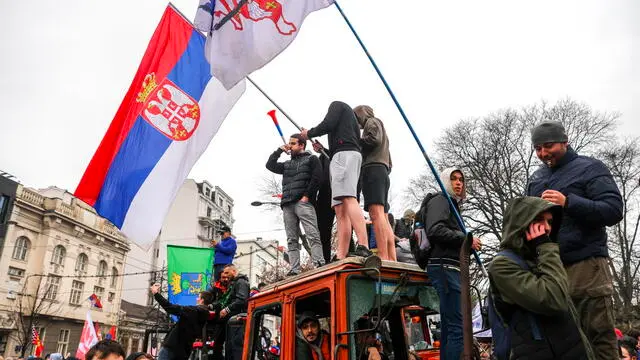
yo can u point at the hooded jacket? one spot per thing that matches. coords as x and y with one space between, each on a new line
541 291
441 225
593 202
341 126
374 140
191 319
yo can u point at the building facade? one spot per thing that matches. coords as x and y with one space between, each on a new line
56 252
197 213
254 257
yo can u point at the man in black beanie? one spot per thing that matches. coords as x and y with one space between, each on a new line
591 201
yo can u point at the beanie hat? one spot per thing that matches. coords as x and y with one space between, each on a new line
307 315
548 132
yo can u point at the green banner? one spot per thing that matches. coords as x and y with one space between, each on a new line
189 271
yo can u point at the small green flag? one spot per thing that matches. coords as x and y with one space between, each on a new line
189 271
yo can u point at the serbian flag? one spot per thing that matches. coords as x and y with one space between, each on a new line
245 35
165 122
88 338
95 301
111 335
35 340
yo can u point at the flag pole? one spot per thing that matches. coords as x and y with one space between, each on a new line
415 136
284 113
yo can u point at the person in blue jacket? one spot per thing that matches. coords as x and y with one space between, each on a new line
590 200
225 251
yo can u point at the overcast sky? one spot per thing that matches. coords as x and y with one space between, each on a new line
65 66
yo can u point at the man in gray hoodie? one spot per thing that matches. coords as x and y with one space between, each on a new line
374 178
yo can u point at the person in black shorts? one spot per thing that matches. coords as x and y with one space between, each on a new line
374 178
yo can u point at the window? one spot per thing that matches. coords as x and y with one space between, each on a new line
206 191
229 209
99 291
63 341
4 206
59 252
220 202
82 262
266 327
208 211
102 272
365 293
52 286
114 277
16 272
318 303
111 297
76 292
21 249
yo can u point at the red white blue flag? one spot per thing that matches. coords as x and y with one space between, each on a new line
165 122
95 301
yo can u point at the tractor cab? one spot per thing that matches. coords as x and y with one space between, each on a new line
390 306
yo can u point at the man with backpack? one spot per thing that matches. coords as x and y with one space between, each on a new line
445 238
531 313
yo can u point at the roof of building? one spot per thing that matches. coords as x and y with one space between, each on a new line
143 312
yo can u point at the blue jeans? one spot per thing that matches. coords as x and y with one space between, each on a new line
447 283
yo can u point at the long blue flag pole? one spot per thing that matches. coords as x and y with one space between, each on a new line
415 136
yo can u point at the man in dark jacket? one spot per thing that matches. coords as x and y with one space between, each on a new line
301 177
535 299
443 267
374 179
225 251
312 343
590 199
341 126
231 303
178 342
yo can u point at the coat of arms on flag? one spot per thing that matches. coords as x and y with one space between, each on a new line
166 120
244 35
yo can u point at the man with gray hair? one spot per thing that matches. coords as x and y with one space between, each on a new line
591 201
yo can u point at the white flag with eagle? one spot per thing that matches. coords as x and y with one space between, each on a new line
244 35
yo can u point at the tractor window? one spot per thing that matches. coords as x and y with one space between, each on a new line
265 332
379 310
313 324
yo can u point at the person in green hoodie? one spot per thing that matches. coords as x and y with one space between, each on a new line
535 302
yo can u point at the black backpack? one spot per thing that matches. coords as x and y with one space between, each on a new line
419 243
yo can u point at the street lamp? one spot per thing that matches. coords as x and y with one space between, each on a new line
260 203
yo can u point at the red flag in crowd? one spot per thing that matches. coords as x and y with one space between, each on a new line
35 340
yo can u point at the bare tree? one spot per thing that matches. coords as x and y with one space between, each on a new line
32 310
496 155
623 159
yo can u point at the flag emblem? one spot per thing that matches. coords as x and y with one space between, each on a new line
256 10
168 109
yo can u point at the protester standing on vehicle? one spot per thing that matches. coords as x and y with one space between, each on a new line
591 201
529 285
178 342
341 126
301 177
443 267
374 178
225 251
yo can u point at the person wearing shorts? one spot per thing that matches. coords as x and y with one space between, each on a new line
375 179
341 127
